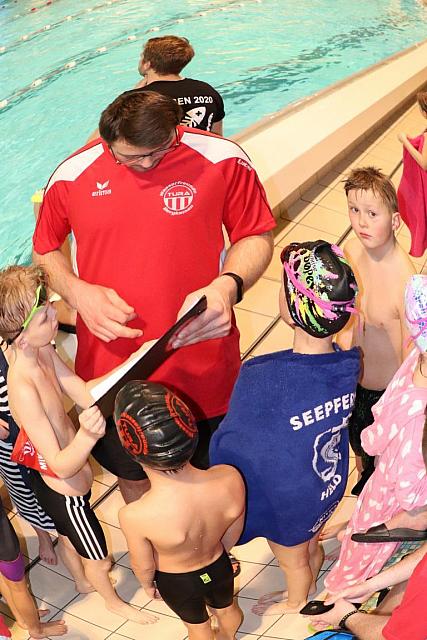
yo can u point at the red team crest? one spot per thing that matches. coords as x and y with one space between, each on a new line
178 197
131 435
181 414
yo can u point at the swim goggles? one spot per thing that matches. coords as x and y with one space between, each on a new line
40 301
325 305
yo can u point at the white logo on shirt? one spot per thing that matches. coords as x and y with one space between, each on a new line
244 164
178 197
325 516
42 462
193 117
102 189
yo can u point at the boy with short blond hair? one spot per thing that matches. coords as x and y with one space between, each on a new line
382 269
57 456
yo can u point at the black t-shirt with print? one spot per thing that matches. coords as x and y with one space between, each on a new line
202 105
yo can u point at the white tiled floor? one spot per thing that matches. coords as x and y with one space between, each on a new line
321 212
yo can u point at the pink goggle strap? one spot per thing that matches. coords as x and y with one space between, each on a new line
416 322
326 305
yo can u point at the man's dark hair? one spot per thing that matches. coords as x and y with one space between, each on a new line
141 118
167 54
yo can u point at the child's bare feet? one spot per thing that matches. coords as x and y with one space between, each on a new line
49 629
84 586
130 613
277 608
279 596
46 550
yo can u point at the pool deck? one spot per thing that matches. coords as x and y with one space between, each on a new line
319 212
299 143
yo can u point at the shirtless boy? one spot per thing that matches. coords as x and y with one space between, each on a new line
178 533
37 378
382 269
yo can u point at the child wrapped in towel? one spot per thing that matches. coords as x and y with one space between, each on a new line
286 428
399 482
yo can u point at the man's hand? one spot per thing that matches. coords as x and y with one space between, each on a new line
92 422
215 322
4 429
332 617
357 593
104 312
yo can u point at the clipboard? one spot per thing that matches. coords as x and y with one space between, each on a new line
104 393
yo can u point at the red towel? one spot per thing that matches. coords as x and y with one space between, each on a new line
412 197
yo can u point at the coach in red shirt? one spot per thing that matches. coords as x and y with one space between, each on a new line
146 204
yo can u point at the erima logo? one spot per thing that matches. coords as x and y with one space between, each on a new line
102 189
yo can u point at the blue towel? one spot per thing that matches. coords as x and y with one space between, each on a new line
286 431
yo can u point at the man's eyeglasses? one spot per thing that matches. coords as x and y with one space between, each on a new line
40 301
157 153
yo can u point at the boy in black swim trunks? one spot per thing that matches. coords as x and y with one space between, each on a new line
57 456
382 269
13 585
178 533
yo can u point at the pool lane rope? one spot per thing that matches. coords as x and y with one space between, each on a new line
49 27
27 91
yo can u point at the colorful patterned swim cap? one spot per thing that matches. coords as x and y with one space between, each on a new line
155 427
416 310
320 287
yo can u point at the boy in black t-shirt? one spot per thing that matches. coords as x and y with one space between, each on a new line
162 60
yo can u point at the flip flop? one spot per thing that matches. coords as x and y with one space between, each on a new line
380 533
235 564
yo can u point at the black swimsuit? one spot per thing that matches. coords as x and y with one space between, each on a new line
9 545
189 593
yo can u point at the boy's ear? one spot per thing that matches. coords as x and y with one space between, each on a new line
395 221
21 342
145 66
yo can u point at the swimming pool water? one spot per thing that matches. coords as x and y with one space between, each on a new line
62 63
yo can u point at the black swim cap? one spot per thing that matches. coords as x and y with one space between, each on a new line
155 427
320 287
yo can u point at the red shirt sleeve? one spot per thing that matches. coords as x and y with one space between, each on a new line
53 225
246 210
409 620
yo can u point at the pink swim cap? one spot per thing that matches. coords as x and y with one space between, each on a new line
416 310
